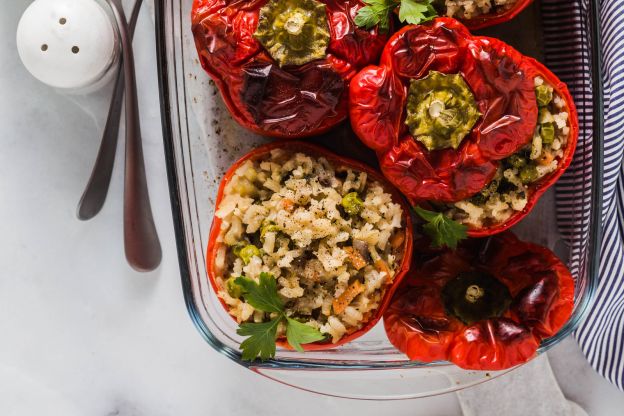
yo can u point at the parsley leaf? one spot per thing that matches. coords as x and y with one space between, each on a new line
261 341
298 333
415 11
442 230
377 12
262 295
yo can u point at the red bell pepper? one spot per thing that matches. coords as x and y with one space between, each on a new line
502 84
485 306
295 146
283 97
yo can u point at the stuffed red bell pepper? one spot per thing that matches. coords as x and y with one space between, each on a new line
283 67
306 247
465 125
485 306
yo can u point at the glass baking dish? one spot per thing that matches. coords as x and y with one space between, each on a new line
202 141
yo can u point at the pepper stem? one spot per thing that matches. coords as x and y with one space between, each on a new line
474 293
435 108
295 22
293 32
441 110
475 296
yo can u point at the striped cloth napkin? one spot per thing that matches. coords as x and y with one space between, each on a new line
601 335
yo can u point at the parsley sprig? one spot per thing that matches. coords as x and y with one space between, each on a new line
443 231
377 12
263 296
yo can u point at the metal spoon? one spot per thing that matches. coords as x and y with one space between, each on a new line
95 192
143 250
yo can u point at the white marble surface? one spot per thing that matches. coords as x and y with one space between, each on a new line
83 334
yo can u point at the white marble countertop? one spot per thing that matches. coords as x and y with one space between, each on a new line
82 333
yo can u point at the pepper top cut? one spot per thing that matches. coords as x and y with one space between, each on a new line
441 110
294 32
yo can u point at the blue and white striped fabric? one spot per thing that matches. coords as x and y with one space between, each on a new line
601 335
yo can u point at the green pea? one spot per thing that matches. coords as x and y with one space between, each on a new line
517 161
547 131
267 227
248 252
544 95
528 174
236 248
233 289
352 203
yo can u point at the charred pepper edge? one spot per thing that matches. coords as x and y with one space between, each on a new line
334 159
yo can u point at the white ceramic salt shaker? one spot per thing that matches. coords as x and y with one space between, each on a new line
72 45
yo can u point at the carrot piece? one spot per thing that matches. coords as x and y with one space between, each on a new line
545 158
288 204
345 299
396 241
355 258
382 267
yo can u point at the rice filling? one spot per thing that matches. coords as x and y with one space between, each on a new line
329 235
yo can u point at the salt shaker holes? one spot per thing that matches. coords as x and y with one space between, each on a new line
69 44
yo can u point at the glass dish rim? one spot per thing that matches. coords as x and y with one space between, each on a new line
595 235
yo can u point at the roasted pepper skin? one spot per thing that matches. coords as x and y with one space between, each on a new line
541 287
289 102
336 160
492 19
502 81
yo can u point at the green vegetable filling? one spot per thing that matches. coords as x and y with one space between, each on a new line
294 32
247 252
544 95
441 110
547 131
268 227
352 203
516 161
233 289
528 174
